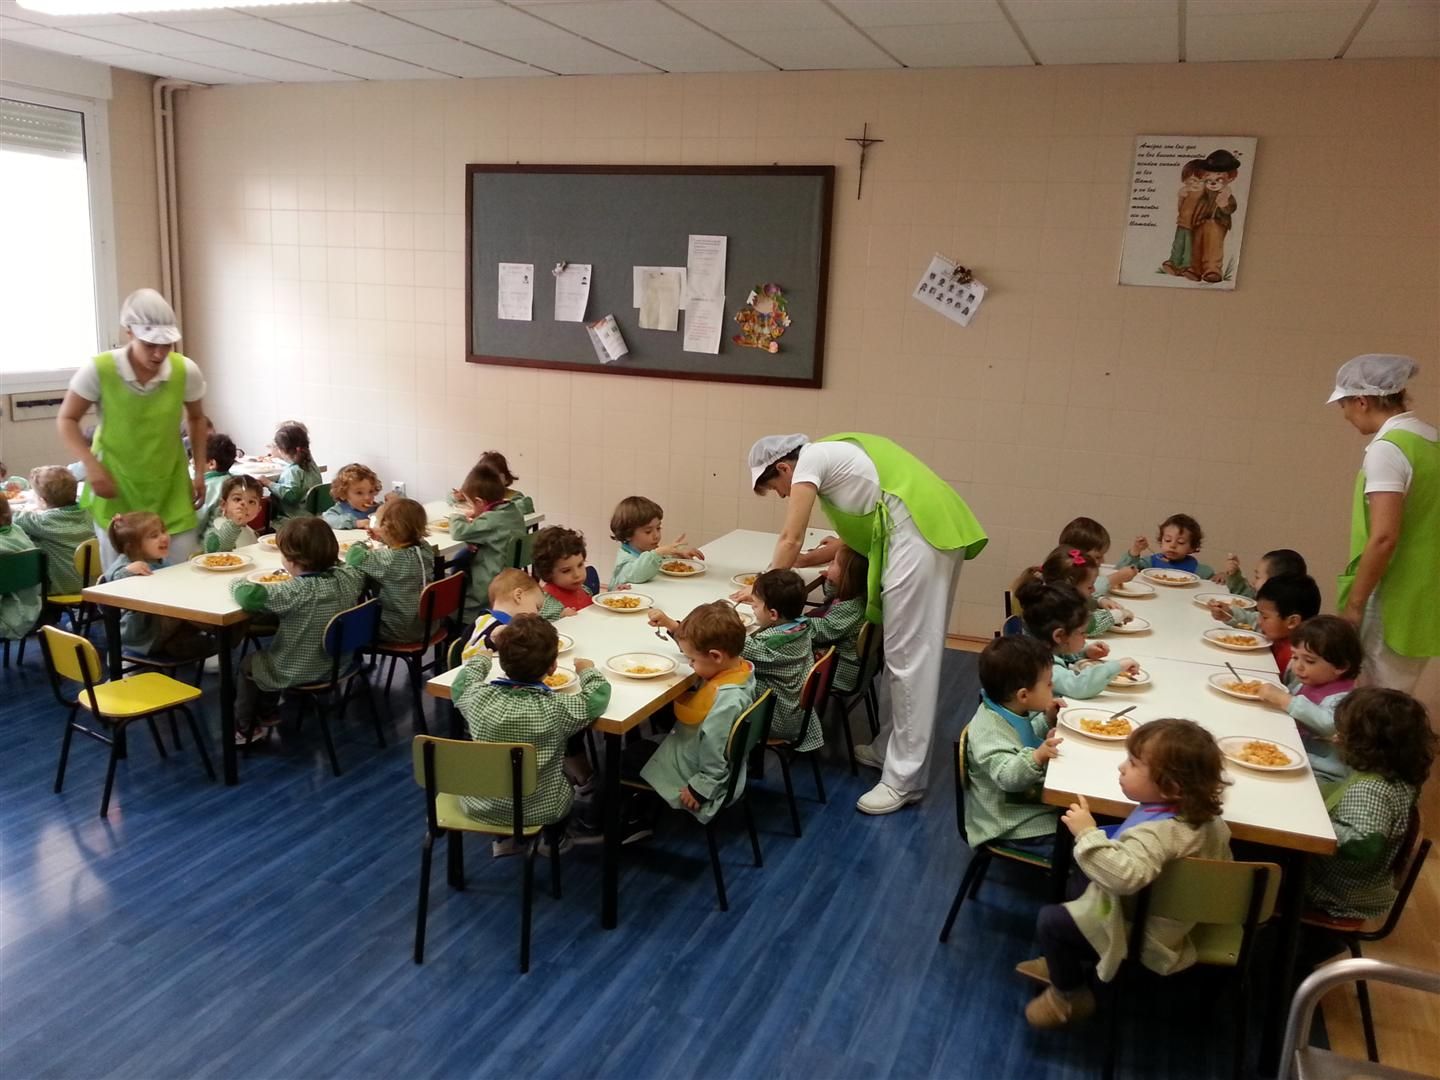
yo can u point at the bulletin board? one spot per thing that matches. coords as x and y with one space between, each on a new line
776 221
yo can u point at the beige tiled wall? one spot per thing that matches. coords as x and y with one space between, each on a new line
323 246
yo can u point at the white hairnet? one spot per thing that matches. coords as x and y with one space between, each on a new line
1373 375
771 449
149 316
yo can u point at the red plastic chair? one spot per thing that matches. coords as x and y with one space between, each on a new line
439 607
814 695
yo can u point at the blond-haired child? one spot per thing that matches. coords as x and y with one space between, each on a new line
143 543
58 528
355 490
512 593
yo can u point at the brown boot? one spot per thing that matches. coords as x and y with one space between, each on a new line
1052 1009
1036 969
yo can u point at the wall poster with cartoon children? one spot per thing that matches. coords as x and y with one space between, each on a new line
1188 199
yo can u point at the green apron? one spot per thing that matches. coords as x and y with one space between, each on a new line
1412 620
138 442
939 513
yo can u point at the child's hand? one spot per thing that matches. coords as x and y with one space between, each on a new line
1124 574
1219 611
362 523
141 568
1078 818
1219 577
1097 650
1232 564
688 800
265 482
1274 695
1052 714
1129 666
1123 614
660 619
681 550
1139 546
1050 748
743 596
622 588
581 664
1108 604
565 613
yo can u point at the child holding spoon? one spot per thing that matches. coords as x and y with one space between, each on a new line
1056 615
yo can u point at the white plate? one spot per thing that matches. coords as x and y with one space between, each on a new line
1221 681
646 602
572 680
741 579
1132 588
566 643
1205 599
440 525
696 568
1124 682
256 575
1257 641
1174 579
1136 625
1231 745
198 562
1071 717
626 662
747 618
271 541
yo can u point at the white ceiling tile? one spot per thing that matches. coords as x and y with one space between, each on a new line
1100 31
263 66
251 33
569 55
43 37
401 7
458 58
871 13
145 37
285 11
1300 30
693 54
13 10
481 22
733 17
1051 10
170 67
366 65
984 44
367 28
1399 28
807 50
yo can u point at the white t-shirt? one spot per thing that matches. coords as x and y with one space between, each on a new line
1386 468
842 472
86 380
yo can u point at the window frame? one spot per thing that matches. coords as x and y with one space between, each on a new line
96 113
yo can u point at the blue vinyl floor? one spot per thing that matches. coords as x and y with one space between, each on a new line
265 931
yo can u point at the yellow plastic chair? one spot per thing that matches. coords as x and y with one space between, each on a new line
115 704
87 565
449 769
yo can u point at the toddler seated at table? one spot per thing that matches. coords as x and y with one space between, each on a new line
1091 537
636 524
558 559
838 620
1008 744
1072 566
58 527
319 589
1281 604
1175 773
12 485
1325 661
519 707
1056 614
143 543
1387 747
20 609
1179 537
512 593
491 525
400 565
1271 564
355 489
220 456
300 474
239 503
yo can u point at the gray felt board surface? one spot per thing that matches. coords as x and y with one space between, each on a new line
775 225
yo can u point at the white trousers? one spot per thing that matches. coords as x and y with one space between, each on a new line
918 592
182 547
1383 665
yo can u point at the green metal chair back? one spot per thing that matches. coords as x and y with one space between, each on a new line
1215 892
21 570
745 734
871 655
319 499
962 779
87 562
478 769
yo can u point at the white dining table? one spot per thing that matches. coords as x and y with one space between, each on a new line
440 510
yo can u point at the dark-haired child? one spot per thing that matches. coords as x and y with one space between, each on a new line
558 559
1325 660
1008 744
493 527
1387 747
1173 771
519 708
1078 568
143 543
1281 605
220 457
288 490
1271 564
1179 537
1056 615
838 620
496 460
58 528
239 503
1091 537
400 567
636 524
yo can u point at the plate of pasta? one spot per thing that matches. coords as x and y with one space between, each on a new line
1122 681
641 665
682 567
1260 754
566 643
271 541
1135 625
1236 640
1173 579
626 602
1230 600
561 679
276 576
1244 689
221 562
1132 588
745 580
1100 724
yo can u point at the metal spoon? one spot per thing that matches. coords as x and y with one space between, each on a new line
1122 712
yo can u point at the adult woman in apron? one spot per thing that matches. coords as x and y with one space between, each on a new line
137 459
1389 589
916 531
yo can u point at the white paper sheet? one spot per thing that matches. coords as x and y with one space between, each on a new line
704 322
941 291
572 292
517 291
705 267
659 300
638 271
606 337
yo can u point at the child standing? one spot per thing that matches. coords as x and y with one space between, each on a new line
491 525
1091 537
558 559
317 591
1179 537
636 525
354 489
1387 747
143 543
1325 661
1281 605
400 569
1009 742
520 708
288 490
239 503
58 528
220 455
1271 564
512 593
1056 615
1173 772
837 622
18 610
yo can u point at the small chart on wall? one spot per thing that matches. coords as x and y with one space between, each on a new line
1189 196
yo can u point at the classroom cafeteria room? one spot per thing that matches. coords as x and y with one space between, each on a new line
789 318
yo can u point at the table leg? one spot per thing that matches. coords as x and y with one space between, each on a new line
1060 862
610 887
1291 904
227 706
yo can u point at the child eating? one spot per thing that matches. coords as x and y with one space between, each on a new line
1173 772
58 528
493 527
558 559
238 504
1009 742
143 543
220 455
1271 564
1091 537
1281 604
288 490
837 621
1179 538
400 568
1325 661
1077 568
636 526
494 459
1056 615
355 490
512 593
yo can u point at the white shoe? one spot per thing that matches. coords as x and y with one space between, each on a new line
865 754
884 799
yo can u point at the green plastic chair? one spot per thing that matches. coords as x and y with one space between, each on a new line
21 570
318 499
1227 902
451 768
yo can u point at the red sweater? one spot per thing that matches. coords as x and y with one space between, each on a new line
1281 651
574 599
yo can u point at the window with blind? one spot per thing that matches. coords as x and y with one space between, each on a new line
47 241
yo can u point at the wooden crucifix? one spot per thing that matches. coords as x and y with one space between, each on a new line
864 141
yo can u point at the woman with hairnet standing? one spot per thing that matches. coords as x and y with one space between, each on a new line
137 459
916 531
1391 586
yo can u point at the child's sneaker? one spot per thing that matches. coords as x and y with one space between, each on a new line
1052 1009
636 830
499 849
1036 969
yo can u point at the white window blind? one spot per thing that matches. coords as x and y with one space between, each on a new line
40 129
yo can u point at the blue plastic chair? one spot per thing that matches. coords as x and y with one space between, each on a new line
348 635
1014 626
592 579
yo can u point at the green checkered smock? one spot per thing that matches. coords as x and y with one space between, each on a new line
59 532
782 656
400 575
287 492
1369 820
494 536
224 535
839 624
304 607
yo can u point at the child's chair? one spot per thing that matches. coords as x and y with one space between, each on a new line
439 609
115 703
1406 869
448 769
814 695
870 650
347 636
981 857
1227 902
318 499
22 570
80 613
745 735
